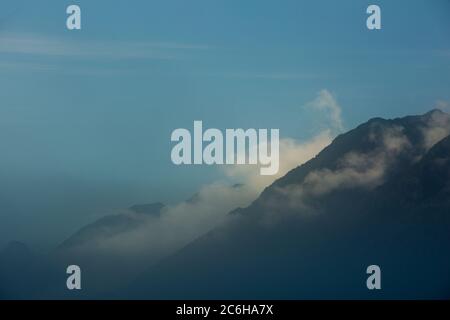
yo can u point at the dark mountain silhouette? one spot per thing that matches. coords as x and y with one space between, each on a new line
379 194
86 248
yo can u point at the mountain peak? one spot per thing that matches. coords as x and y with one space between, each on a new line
379 192
366 156
435 111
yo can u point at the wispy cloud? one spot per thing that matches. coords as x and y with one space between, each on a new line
326 102
181 223
443 105
55 68
437 127
365 170
292 154
271 75
442 53
38 45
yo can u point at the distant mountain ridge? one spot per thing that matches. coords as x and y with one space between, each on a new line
367 137
112 225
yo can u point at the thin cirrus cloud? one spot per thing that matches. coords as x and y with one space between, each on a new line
442 53
33 52
272 75
38 45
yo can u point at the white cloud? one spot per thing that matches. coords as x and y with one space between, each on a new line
443 105
354 169
437 126
177 225
326 102
292 154
181 223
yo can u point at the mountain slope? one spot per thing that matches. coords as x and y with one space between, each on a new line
376 195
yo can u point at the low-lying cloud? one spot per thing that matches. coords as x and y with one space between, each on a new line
365 170
437 127
181 223
354 169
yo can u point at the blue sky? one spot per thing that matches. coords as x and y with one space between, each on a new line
86 116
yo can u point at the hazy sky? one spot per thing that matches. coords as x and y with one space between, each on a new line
86 116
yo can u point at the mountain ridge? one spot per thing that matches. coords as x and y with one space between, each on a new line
351 225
